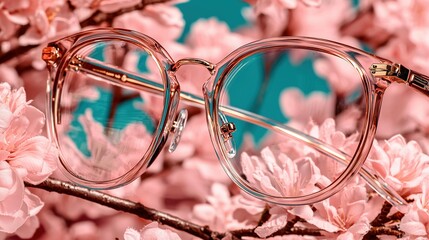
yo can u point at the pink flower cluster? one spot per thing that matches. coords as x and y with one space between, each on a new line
24 156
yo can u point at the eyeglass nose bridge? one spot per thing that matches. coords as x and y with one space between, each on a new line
194 61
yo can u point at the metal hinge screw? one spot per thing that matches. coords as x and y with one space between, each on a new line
227 129
50 54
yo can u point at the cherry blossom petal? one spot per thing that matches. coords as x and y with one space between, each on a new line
271 226
132 234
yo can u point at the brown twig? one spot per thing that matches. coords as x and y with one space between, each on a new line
96 18
119 204
382 216
265 215
375 231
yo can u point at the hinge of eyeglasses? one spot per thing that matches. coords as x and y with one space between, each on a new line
393 72
75 63
50 54
227 129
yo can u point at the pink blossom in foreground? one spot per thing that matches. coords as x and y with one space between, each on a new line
31 155
416 221
279 175
278 219
401 164
24 156
328 134
18 205
344 214
308 160
151 232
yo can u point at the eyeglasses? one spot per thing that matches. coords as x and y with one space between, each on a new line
113 102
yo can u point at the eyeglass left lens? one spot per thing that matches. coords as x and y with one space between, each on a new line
104 128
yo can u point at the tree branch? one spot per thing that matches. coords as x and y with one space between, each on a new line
382 216
203 232
98 16
53 185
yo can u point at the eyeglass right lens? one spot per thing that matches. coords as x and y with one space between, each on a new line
314 102
104 129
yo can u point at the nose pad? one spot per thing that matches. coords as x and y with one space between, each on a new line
177 128
226 130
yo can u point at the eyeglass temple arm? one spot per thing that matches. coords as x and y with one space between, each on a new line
124 78
397 73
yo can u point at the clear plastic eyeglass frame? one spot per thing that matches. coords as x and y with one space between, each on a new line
375 73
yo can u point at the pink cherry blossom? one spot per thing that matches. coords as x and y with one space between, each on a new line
43 29
408 29
15 13
151 232
407 17
279 175
313 167
326 133
416 221
277 221
193 180
212 39
344 213
321 16
24 156
163 22
116 153
341 75
401 164
301 109
272 16
32 156
220 211
200 167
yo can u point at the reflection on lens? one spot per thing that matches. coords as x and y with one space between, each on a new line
313 101
103 128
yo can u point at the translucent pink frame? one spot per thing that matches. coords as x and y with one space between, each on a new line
374 72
